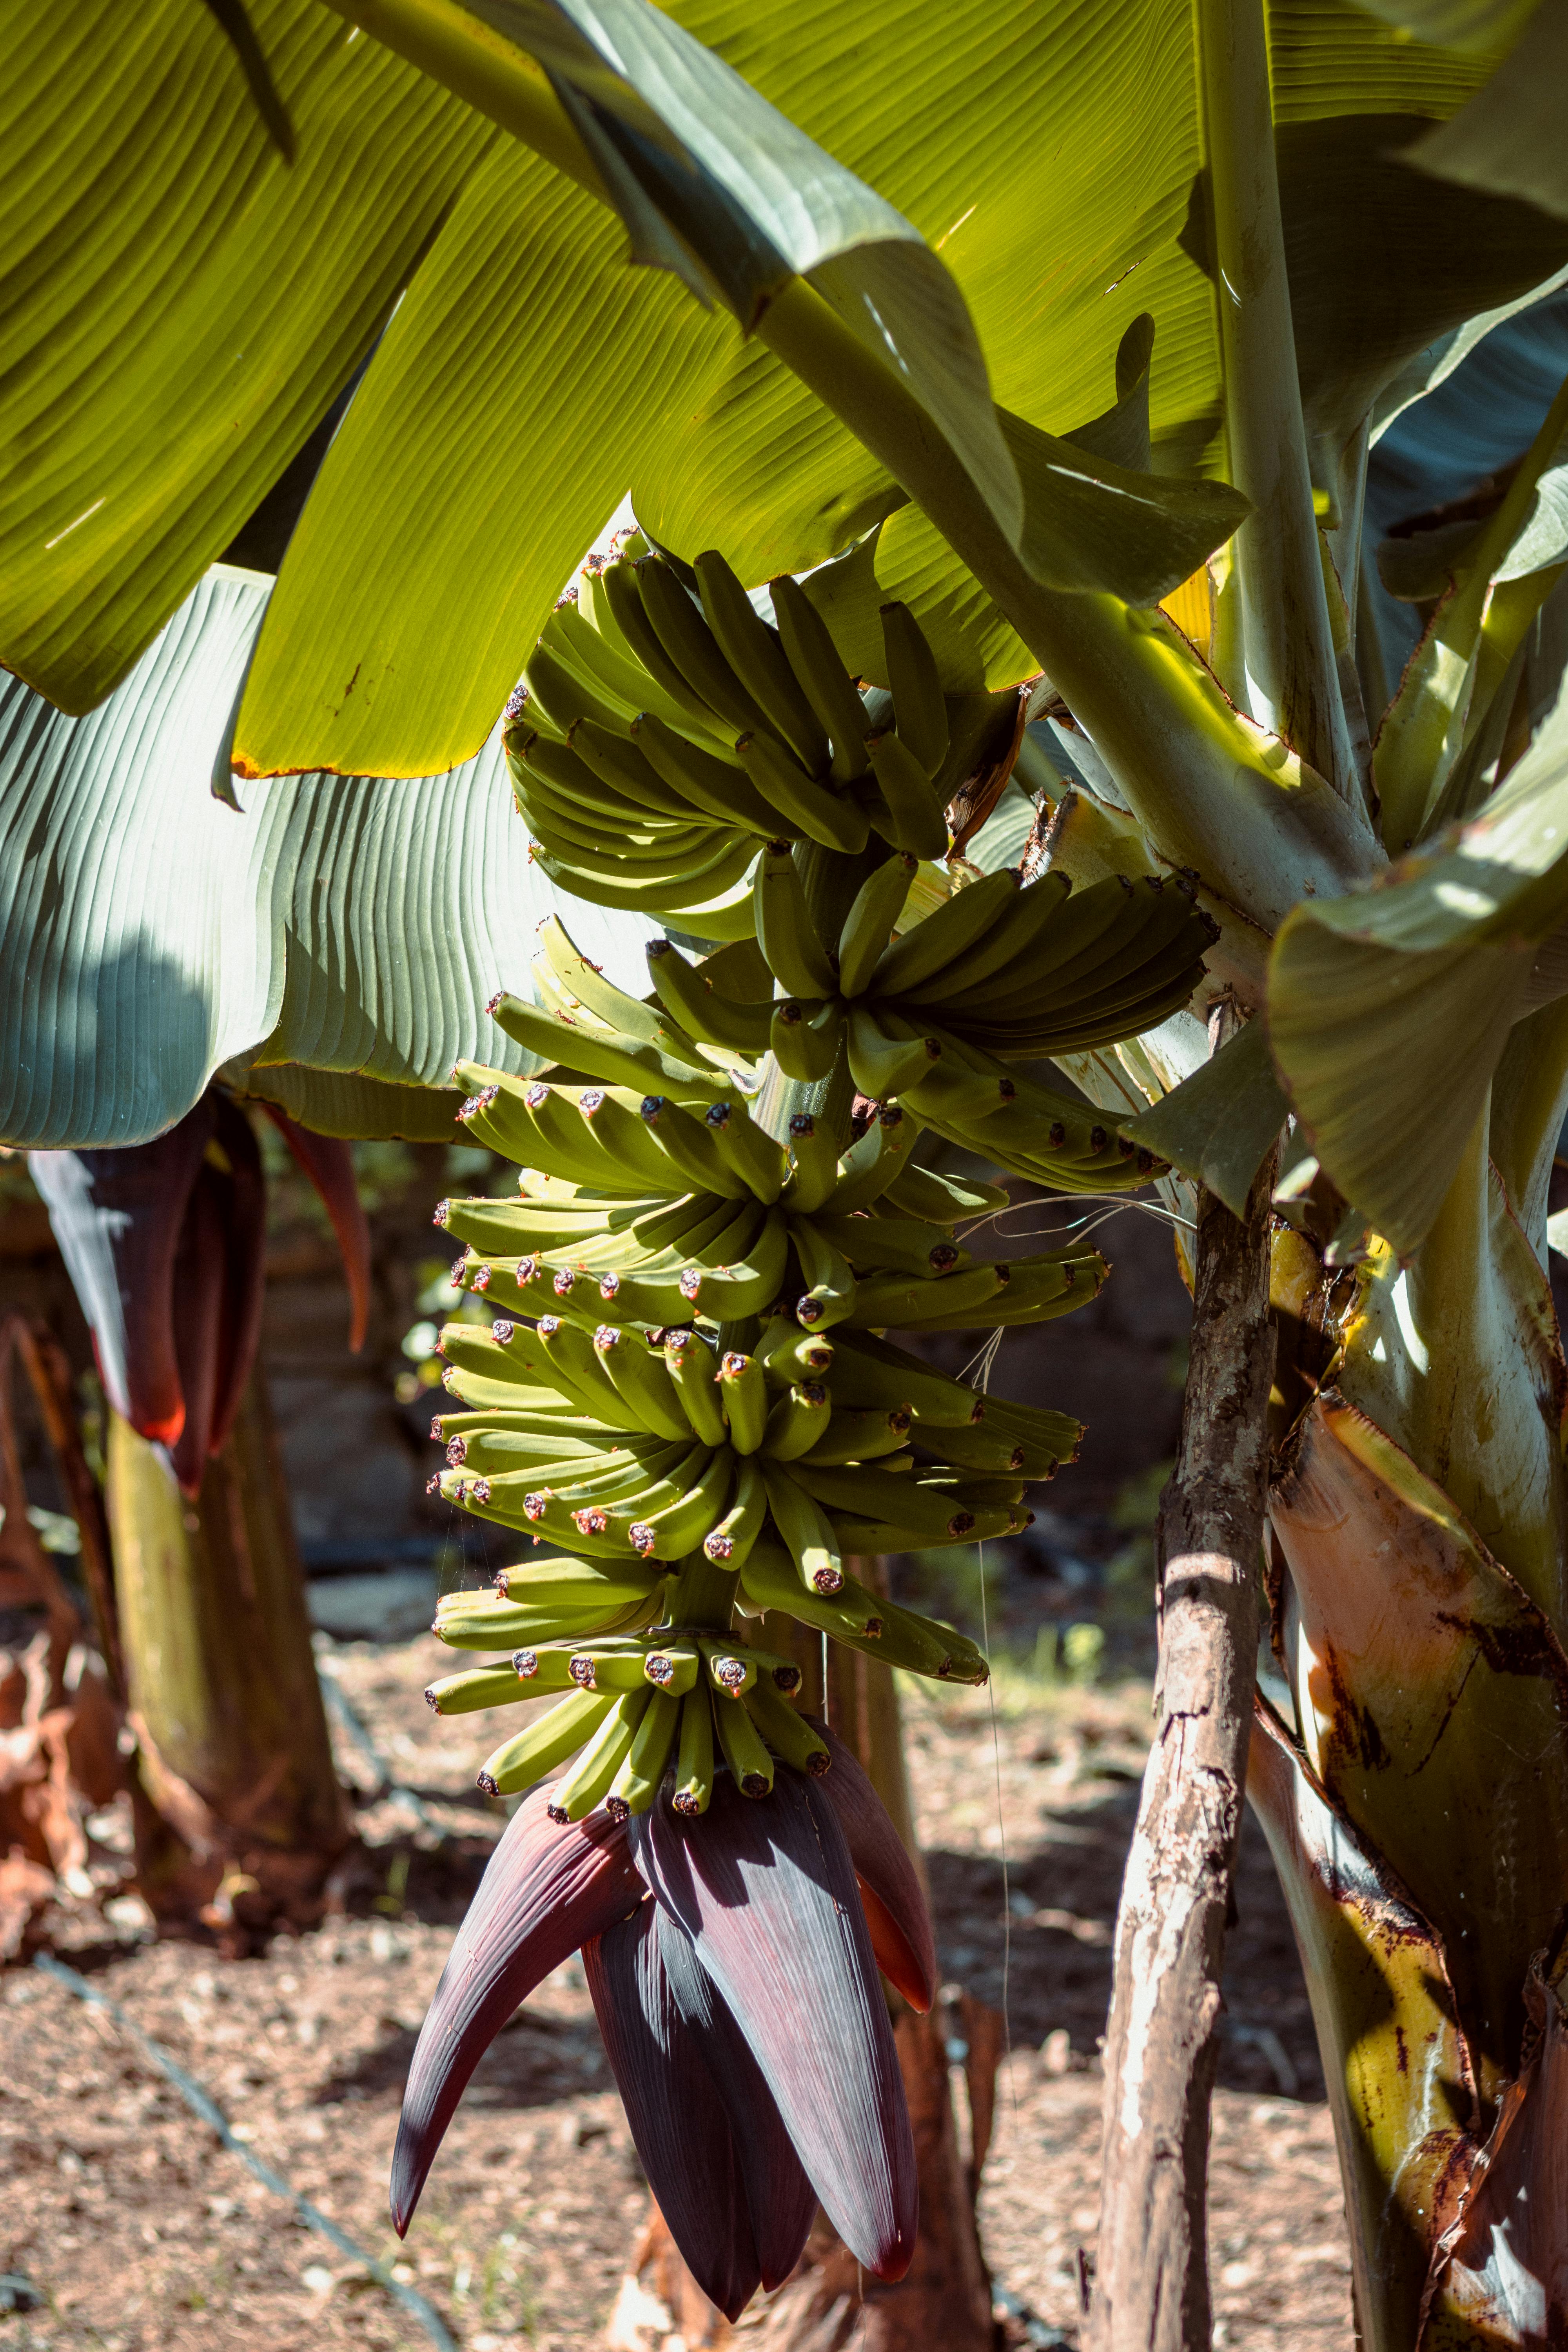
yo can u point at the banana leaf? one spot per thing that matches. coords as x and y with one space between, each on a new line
158 932
182 304
1390 1008
174 451
1509 138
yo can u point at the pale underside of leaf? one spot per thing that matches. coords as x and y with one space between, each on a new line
156 933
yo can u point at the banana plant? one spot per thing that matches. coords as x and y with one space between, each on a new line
1106 422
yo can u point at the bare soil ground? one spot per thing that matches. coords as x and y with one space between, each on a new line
134 2231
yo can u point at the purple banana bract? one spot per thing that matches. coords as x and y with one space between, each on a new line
732 1960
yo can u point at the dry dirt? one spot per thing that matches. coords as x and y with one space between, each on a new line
127 2226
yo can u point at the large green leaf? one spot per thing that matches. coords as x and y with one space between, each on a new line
527 373
702 169
1388 1008
1383 260
187 304
181 305
1509 138
155 933
1056 244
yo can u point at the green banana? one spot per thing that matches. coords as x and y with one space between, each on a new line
788 1354
699 885
912 678
691 646
868 928
592 1777
694 1374
586 985
717 789
730 1543
813 1164
827 685
730 1669
673 1665
758 661
922 952
915 819
570 1583
481 1686
1000 950
729 1290
868 1371
683 1525
953 1090
881 1063
896 1499
512 1228
957 1299
746 1149
829 1296
566 694
804 1036
796 1421
917 1191
694 1759
715 1020
871 1166
576 1367
641 1379
817 810
771 1579
623 594
688 1146
901 1244
743 1389
863 1537
806 1529
855 1434
786 931
794 1740
623 767
623 1136
556 1038
544 1744
509 1353
637 1781
591 637
751 1765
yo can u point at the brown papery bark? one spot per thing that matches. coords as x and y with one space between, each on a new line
1151 2292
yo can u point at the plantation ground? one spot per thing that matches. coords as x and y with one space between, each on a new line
135 2229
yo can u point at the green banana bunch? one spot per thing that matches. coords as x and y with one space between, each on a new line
658 738
691 1397
997 969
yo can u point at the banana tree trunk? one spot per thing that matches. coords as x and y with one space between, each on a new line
1161 2041
239 1815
